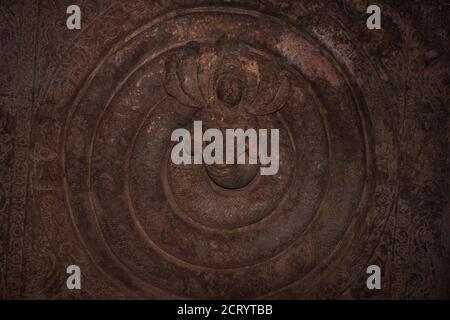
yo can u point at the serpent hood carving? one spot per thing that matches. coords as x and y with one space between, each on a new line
232 87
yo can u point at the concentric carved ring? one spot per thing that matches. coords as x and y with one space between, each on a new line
197 231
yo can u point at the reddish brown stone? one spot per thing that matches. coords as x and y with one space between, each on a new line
86 176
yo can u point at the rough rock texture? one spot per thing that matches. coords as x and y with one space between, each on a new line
86 177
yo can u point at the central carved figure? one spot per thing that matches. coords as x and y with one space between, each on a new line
231 86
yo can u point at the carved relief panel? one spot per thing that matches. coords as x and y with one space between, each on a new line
86 141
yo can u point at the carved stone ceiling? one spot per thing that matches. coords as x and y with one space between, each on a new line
86 177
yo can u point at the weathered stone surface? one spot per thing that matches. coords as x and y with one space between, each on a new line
86 177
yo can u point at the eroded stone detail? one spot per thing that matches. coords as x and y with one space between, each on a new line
363 133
